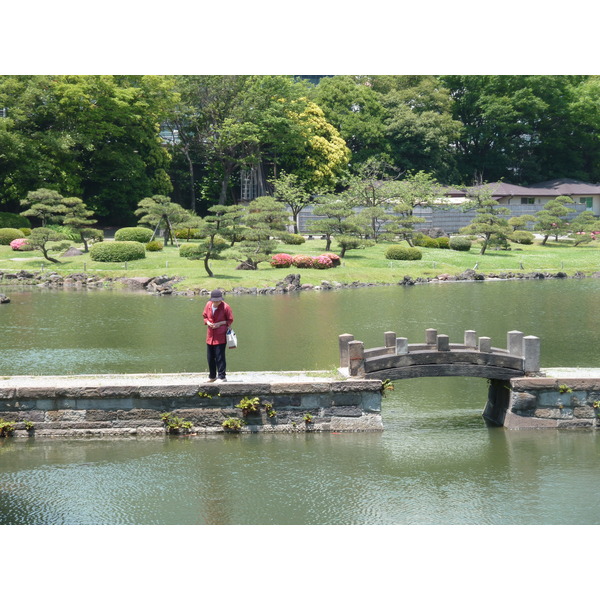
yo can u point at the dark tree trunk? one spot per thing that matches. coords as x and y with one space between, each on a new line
47 257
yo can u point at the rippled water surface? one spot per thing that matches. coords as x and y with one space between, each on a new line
435 463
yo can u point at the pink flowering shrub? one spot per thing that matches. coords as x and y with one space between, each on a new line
322 262
335 259
303 262
281 261
20 244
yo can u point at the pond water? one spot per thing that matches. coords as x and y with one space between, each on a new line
436 463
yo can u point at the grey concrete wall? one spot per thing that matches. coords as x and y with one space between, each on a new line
451 220
105 409
543 402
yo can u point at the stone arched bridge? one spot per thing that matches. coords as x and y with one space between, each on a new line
437 357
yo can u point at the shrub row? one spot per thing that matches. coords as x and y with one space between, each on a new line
117 251
302 261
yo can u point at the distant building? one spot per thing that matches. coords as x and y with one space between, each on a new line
529 199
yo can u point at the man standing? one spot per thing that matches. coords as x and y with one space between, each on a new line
218 319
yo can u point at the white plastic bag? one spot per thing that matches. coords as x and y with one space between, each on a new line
231 339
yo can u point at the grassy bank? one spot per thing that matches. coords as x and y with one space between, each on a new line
368 265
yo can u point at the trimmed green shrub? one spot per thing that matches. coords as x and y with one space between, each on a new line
443 242
460 243
522 237
13 221
26 231
154 246
292 239
191 251
188 234
133 234
8 234
420 239
117 251
403 253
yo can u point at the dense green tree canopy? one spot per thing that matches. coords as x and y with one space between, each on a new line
96 137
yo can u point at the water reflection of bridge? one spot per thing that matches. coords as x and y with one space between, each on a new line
437 357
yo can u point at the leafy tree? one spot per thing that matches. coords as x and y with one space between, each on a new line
233 228
159 210
518 223
212 229
584 228
228 123
289 191
419 126
355 109
221 122
489 221
336 212
264 219
46 205
415 190
95 137
517 127
552 219
45 240
321 156
371 188
80 218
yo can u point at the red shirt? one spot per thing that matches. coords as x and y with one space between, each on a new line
222 313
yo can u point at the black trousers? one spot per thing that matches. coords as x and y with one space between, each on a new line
216 360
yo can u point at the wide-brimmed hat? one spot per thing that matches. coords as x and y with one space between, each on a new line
216 296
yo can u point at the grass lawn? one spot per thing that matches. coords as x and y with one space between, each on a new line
368 265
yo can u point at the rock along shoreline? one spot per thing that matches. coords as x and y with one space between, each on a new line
164 285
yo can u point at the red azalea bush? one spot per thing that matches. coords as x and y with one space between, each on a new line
322 262
335 259
303 262
281 261
20 244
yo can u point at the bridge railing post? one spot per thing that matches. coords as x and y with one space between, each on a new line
390 339
356 356
514 343
431 337
443 343
485 344
344 340
471 338
531 353
401 345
